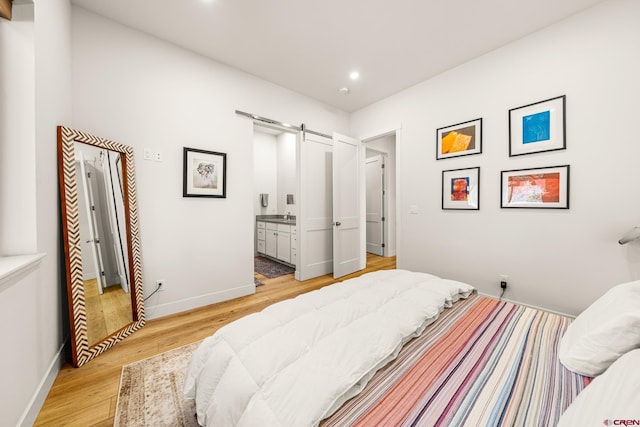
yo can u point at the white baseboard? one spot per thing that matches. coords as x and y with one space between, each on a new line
161 310
527 305
33 408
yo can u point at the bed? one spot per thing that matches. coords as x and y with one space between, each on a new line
483 363
450 357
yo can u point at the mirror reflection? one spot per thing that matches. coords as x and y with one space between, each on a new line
103 240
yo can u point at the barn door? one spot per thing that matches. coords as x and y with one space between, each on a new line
314 229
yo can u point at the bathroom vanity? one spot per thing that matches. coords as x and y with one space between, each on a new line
276 238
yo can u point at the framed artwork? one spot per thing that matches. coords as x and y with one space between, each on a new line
537 127
546 188
461 189
205 173
462 139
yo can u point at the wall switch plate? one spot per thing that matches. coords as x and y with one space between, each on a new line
146 154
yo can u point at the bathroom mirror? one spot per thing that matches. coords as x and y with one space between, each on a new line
101 242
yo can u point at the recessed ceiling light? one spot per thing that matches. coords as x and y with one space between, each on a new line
354 75
344 90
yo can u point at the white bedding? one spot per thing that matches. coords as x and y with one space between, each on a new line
297 361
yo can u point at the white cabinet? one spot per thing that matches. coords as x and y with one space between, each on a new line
271 247
294 245
277 241
283 235
260 237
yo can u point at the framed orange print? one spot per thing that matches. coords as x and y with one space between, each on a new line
462 139
546 188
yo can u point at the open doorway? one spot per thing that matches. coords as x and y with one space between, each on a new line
275 198
323 160
381 194
375 201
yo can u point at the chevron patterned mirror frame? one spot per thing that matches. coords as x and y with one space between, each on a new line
82 350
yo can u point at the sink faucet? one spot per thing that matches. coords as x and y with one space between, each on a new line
286 216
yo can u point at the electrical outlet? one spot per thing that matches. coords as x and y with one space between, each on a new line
503 281
160 284
157 156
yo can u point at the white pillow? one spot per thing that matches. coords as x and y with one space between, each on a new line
602 333
614 395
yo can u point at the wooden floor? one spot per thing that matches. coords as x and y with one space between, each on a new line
87 396
106 312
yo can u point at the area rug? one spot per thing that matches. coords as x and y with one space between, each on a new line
150 391
271 269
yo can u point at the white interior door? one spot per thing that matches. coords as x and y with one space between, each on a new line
315 208
114 219
374 170
94 237
348 206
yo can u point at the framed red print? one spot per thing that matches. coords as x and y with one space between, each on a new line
461 189
546 188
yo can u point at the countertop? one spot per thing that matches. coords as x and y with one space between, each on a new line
278 219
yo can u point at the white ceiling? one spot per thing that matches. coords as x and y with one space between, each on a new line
311 46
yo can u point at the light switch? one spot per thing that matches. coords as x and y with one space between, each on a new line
147 154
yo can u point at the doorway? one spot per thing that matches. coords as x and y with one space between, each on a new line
274 201
315 216
381 194
375 201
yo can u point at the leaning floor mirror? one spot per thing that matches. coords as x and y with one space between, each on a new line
101 242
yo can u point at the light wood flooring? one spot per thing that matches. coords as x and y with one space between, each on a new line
106 312
87 396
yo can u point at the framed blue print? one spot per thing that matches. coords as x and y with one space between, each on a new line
538 127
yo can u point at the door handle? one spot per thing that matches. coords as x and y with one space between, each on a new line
337 224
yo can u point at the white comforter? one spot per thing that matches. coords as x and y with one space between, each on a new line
297 361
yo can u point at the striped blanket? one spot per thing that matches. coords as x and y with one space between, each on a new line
483 363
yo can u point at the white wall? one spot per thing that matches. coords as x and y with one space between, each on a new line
265 172
286 149
143 92
53 108
33 303
557 259
17 115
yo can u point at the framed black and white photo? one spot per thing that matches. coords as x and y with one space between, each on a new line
204 173
461 189
540 188
457 140
537 127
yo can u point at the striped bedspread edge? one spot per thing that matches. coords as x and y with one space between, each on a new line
484 362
